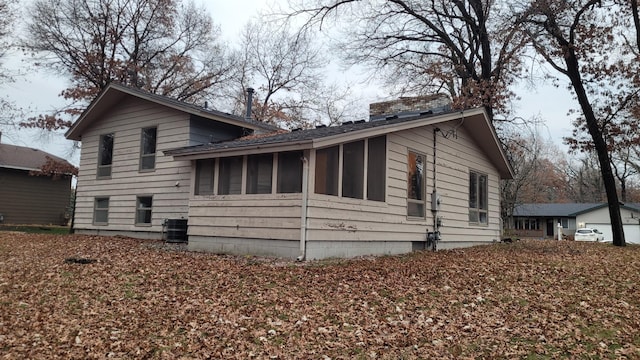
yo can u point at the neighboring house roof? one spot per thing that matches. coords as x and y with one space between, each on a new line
474 120
563 209
114 93
25 158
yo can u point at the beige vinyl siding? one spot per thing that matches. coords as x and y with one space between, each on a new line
126 122
26 199
269 216
333 218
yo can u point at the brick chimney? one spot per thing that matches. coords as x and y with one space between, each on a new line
410 104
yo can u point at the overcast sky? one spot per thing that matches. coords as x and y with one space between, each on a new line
38 91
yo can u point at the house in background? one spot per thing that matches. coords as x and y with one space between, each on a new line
365 187
541 220
30 199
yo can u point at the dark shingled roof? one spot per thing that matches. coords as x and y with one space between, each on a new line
298 135
195 108
24 158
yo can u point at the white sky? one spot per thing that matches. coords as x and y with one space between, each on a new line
38 91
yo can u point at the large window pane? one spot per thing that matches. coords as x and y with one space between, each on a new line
473 190
326 181
259 171
415 184
230 175
376 168
290 172
482 192
148 149
204 177
353 169
143 209
105 155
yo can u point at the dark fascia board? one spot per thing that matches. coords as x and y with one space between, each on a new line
114 93
475 121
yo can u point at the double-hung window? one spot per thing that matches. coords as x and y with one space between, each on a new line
478 198
148 148
105 155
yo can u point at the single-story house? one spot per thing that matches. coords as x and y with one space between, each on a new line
541 220
26 198
243 187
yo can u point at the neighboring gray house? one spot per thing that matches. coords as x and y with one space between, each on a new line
541 220
29 199
375 187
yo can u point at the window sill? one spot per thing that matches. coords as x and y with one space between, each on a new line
146 170
415 218
143 224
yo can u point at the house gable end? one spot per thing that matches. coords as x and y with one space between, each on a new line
114 94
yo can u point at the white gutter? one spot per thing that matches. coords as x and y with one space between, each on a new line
303 211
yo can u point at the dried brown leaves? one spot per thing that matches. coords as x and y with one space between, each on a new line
142 300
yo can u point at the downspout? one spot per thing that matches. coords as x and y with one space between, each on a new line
435 185
303 211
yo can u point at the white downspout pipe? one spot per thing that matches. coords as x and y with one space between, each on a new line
303 212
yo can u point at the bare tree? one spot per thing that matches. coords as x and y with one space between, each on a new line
286 69
162 46
469 49
584 180
538 171
8 109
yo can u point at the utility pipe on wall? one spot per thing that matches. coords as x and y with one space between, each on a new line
303 211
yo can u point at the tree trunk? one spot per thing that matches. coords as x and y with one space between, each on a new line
573 72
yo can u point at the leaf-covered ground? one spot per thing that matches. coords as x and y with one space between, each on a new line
141 299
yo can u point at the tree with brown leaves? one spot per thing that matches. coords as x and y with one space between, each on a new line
161 46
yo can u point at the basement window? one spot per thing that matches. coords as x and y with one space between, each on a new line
144 205
101 211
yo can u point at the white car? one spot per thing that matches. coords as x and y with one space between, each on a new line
588 234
